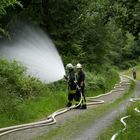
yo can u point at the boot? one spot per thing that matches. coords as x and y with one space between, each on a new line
84 106
77 107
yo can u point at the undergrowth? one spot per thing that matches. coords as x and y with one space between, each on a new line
24 98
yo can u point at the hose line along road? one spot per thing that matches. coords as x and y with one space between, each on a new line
103 122
88 134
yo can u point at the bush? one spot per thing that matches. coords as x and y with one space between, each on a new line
103 81
111 78
24 86
8 98
94 81
16 86
125 65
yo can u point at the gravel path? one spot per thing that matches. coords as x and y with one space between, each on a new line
102 123
92 132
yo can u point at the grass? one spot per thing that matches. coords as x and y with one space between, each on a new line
83 121
133 127
129 72
34 109
26 99
37 108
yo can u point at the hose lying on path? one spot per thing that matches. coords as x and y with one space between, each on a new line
125 117
122 121
51 118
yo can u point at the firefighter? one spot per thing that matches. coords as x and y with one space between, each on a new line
71 84
81 85
134 72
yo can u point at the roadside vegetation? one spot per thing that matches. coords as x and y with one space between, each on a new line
98 34
79 124
24 98
133 127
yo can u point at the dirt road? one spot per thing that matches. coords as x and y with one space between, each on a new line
97 127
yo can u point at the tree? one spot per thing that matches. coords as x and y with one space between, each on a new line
63 21
4 5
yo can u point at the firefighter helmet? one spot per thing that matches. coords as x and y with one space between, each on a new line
78 66
69 66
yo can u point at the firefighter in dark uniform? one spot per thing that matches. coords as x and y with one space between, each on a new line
134 72
71 84
81 84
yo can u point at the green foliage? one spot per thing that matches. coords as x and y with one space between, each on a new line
65 24
95 81
101 82
4 33
78 124
132 130
15 86
14 72
129 17
8 98
94 33
132 124
24 98
7 3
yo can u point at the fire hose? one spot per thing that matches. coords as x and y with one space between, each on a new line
51 118
125 117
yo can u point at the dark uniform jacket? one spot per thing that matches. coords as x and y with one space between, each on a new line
71 80
80 78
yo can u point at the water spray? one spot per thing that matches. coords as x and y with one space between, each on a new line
35 50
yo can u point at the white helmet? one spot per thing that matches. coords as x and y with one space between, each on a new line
69 66
78 66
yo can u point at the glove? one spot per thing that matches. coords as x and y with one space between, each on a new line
78 87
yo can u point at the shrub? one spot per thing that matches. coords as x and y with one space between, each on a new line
94 81
16 86
125 65
102 81
24 86
8 98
